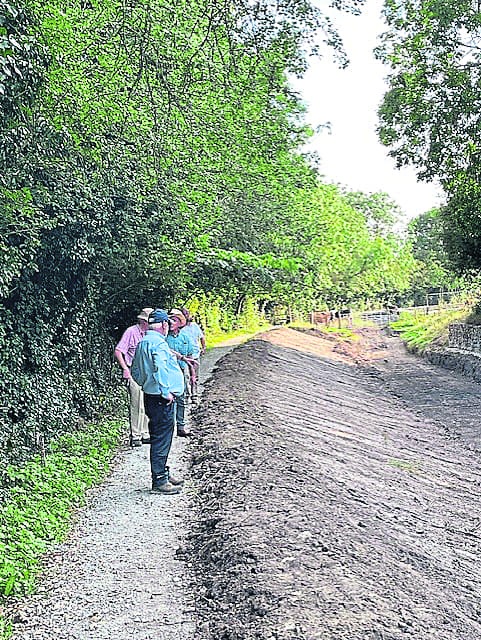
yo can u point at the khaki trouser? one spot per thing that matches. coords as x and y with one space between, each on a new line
139 422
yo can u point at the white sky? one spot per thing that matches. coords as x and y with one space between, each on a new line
352 154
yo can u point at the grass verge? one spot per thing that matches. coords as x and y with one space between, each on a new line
214 339
41 499
422 331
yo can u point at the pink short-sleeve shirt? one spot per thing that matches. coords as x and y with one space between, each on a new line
128 343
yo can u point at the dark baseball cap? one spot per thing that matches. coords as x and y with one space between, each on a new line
158 315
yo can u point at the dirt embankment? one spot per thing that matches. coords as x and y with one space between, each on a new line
338 495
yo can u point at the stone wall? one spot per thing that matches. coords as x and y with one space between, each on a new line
469 364
463 353
466 337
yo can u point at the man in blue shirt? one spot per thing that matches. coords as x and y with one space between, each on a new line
155 369
197 338
182 347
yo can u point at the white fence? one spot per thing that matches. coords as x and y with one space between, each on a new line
381 318
384 317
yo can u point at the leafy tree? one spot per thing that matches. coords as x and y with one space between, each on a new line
378 209
430 117
426 236
434 270
461 219
338 257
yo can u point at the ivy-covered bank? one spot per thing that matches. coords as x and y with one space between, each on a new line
40 498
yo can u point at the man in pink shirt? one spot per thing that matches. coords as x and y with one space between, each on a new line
124 353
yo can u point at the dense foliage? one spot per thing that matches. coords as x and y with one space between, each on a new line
151 156
431 116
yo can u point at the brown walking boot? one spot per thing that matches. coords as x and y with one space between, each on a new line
166 489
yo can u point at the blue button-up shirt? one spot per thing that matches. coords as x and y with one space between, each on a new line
182 344
195 333
155 368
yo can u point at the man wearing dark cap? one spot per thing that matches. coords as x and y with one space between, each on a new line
156 370
124 354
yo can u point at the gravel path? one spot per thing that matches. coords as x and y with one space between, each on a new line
117 576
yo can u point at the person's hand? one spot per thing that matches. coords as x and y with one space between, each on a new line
126 374
170 398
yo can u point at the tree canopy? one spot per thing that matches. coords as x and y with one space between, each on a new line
430 117
431 114
152 153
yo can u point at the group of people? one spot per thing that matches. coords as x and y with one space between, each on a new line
159 356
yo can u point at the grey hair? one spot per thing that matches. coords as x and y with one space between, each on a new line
156 325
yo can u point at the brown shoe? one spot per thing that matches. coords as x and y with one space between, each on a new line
182 433
166 489
177 482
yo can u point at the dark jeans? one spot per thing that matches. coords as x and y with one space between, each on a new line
161 429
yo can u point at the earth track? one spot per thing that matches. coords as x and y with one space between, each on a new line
341 506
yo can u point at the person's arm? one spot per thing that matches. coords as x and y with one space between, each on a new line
189 345
202 341
123 365
121 350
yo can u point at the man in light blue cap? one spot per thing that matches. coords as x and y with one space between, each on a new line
156 370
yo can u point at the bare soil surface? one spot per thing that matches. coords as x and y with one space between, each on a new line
339 494
332 492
